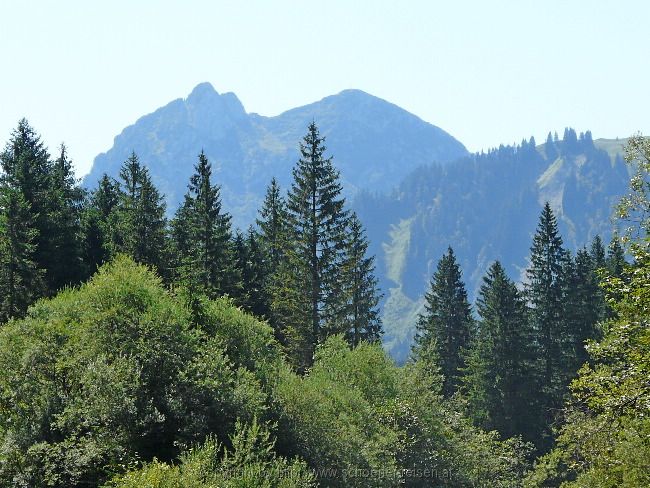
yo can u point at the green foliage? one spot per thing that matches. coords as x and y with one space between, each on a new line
99 378
21 281
316 229
447 322
545 293
251 462
604 441
359 420
138 224
500 361
360 315
202 239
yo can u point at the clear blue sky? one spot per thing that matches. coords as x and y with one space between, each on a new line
487 72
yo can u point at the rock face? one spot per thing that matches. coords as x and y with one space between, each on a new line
374 144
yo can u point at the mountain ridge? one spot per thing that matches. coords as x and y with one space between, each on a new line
374 143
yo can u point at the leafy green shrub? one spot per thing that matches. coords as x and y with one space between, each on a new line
115 372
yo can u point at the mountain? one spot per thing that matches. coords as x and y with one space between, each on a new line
416 188
374 144
486 206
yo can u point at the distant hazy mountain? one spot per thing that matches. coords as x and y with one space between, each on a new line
415 187
374 144
486 207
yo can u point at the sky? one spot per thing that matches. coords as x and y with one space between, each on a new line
486 72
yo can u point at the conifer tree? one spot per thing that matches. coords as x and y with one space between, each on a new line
597 253
316 225
360 285
545 293
27 168
584 307
250 265
139 224
447 323
202 238
67 199
615 257
500 359
96 223
21 281
272 223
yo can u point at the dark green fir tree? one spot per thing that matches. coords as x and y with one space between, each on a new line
202 239
67 200
21 280
446 324
317 221
499 365
545 292
360 285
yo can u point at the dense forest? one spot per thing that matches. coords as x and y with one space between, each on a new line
142 351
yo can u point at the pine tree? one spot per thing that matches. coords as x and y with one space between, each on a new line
96 224
360 285
545 293
138 223
615 258
597 253
584 307
500 359
21 281
272 223
316 226
250 265
447 322
27 168
66 267
203 240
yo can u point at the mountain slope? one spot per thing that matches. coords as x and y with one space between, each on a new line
374 143
486 207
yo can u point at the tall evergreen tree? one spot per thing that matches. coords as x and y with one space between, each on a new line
21 280
27 167
545 293
447 323
585 307
597 253
66 267
96 223
138 223
202 238
360 285
615 257
316 225
272 223
250 265
500 359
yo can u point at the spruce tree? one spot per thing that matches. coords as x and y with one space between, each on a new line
250 266
96 223
615 257
138 224
66 267
545 294
584 308
21 280
203 240
360 285
27 168
272 223
447 323
500 359
316 225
